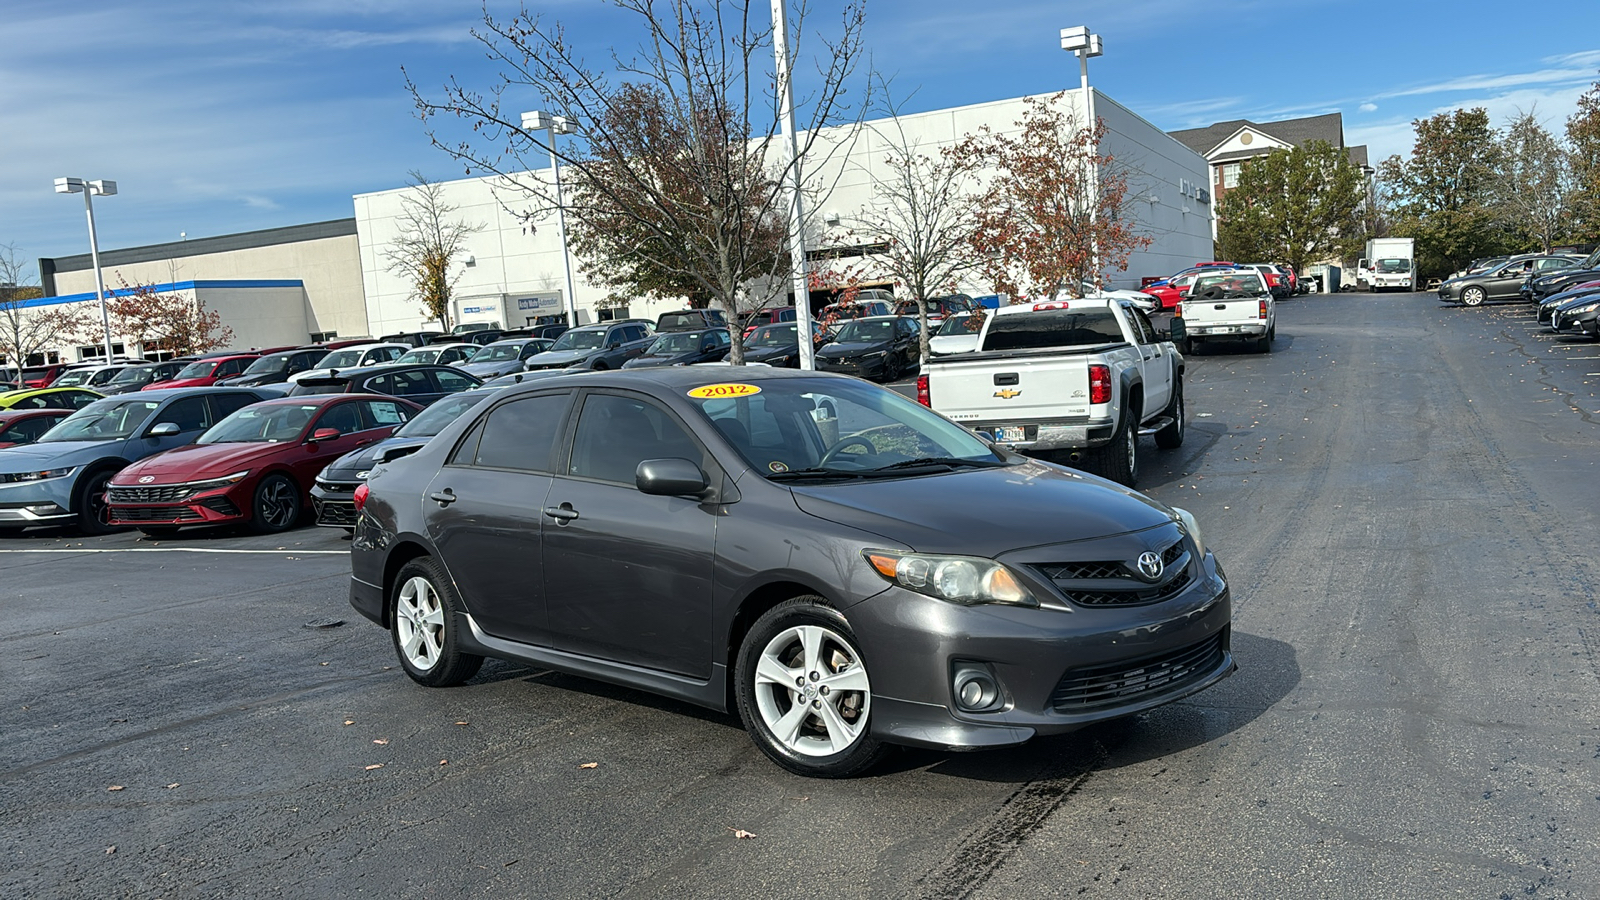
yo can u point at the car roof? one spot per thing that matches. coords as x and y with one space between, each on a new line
7 415
356 373
372 346
507 341
34 392
318 399
164 393
1100 302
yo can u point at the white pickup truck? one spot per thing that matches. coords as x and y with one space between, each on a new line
1226 305
1072 381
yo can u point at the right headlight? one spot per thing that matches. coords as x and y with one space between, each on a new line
967 580
1191 527
1580 310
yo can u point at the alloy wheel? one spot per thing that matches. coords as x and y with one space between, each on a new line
419 623
812 691
277 503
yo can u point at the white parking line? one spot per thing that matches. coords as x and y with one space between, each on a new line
167 550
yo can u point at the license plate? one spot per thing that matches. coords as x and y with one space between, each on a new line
1007 433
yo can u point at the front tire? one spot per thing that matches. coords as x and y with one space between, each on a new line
93 514
424 620
804 693
1171 437
275 505
1473 296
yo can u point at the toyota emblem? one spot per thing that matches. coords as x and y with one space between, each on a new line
146 479
1150 566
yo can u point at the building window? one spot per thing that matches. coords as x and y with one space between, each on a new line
322 337
1230 175
98 351
612 313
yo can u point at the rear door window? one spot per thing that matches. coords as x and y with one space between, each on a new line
450 382
382 414
521 434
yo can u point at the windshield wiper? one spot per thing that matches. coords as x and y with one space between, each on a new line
818 474
945 461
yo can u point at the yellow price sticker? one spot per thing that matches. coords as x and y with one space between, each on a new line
724 391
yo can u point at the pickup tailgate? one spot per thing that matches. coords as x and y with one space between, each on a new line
1222 312
1000 389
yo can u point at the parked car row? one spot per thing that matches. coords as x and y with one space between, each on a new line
1505 278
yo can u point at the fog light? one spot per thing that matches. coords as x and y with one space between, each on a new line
976 689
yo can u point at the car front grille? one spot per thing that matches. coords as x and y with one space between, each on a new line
1103 687
136 514
337 512
1112 583
161 493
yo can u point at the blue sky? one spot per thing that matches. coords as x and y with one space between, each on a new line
217 117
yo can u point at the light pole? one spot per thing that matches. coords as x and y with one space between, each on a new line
797 237
88 189
1081 43
542 121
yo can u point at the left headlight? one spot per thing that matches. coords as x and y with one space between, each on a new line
1581 310
44 475
1191 527
967 580
214 483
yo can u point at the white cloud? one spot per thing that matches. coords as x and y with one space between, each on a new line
1369 106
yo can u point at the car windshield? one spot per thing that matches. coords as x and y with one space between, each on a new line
674 344
1391 266
579 340
433 420
262 423
864 332
340 359
74 378
961 323
277 362
426 355
1229 286
774 336
681 320
135 375
103 421
199 369
795 429
497 353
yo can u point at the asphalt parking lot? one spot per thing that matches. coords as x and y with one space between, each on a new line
1403 495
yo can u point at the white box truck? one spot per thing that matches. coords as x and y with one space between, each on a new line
1389 264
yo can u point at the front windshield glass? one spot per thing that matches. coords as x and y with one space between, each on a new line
962 324
674 344
1393 266
797 428
135 375
865 332
340 359
103 421
1229 286
774 336
433 420
497 353
199 369
277 362
577 340
269 423
425 355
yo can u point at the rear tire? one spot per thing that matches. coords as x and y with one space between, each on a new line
1119 460
425 622
1171 437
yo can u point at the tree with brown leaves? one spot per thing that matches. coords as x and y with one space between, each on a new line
1056 213
158 320
27 329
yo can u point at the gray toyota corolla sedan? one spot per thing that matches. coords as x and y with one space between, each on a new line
845 568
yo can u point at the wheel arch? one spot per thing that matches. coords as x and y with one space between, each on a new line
751 607
109 464
404 550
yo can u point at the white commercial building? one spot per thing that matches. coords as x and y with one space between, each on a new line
512 270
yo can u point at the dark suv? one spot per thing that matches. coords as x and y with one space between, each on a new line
605 346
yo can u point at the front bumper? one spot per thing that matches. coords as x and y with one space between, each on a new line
334 503
28 503
861 367
1058 670
218 506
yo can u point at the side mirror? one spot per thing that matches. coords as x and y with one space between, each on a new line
613 345
165 429
325 434
1177 329
670 478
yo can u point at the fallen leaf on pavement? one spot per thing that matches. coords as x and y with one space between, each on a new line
349 721
740 834
115 787
172 785
589 766
444 762
380 740
374 766
463 723
111 849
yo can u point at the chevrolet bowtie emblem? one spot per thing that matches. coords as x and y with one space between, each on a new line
1007 393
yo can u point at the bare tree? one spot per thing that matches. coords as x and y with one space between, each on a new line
699 174
430 240
1536 181
920 210
28 328
1056 213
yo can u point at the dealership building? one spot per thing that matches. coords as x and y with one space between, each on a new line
333 279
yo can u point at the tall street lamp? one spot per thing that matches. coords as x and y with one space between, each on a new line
797 237
543 121
88 189
1081 43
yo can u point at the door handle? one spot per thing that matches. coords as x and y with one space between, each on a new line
366 442
444 497
562 514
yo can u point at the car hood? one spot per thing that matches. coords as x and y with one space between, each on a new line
560 357
197 462
345 467
762 354
55 455
984 512
203 381
838 350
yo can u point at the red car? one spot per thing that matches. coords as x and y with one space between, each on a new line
205 372
24 426
255 467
